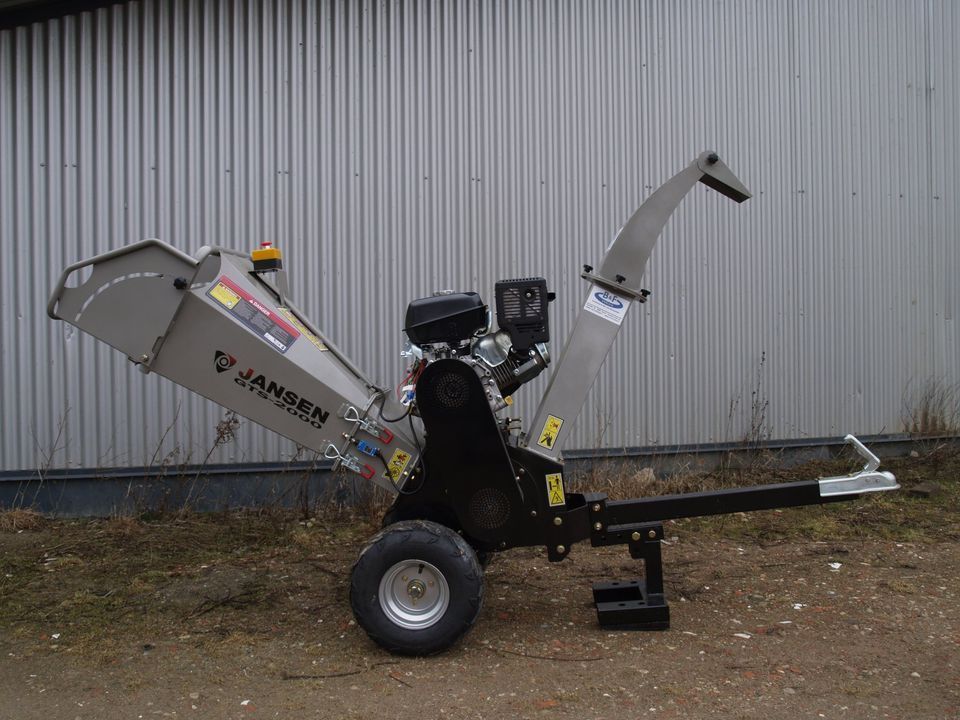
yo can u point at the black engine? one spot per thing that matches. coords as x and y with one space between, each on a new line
446 318
457 325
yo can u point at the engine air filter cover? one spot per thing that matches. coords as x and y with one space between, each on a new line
522 311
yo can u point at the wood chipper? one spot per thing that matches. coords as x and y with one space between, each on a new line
468 480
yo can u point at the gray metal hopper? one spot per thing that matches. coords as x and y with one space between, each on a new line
213 325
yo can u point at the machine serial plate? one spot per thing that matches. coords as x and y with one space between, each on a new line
258 319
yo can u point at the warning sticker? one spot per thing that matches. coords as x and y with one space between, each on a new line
224 295
295 321
398 463
252 313
551 428
606 304
555 494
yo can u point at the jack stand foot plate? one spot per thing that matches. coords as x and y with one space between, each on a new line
626 605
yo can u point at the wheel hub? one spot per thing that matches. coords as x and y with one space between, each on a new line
416 589
414 594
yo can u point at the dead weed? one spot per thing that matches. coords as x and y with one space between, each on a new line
17 520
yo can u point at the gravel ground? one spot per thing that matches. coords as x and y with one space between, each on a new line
247 617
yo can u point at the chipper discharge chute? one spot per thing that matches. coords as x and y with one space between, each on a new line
468 481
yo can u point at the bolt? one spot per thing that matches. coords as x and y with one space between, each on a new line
522 471
652 534
561 549
533 513
517 478
144 358
596 507
635 536
598 526
620 278
712 158
588 268
558 520
416 589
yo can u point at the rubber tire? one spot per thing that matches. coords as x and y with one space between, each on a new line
442 548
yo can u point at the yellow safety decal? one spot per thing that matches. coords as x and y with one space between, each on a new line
398 463
295 321
551 428
225 296
555 494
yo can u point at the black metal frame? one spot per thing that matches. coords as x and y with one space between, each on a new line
495 494
640 604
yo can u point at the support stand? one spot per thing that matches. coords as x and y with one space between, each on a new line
636 604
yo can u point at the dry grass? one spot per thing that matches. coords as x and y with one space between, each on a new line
931 408
163 574
16 520
372 503
124 526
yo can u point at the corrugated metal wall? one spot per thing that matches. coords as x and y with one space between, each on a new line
393 148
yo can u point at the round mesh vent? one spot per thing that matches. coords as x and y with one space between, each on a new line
489 508
451 390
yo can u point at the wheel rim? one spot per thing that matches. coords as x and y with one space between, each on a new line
414 594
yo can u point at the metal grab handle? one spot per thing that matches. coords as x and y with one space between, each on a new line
351 414
381 433
334 455
96 259
348 461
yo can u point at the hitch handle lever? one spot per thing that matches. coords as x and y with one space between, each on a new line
873 462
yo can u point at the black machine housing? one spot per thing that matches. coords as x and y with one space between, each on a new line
445 318
475 477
